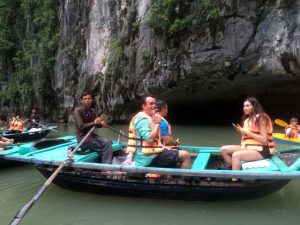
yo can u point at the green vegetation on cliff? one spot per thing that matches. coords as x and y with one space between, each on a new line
28 40
170 17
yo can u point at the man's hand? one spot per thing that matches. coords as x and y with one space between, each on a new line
100 122
156 118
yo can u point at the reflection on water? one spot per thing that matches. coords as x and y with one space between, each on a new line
64 207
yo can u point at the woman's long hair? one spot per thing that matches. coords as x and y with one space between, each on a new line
258 113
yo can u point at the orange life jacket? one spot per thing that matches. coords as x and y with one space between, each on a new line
147 148
249 142
16 125
294 132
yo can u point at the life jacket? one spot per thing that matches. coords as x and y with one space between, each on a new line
16 125
249 142
147 148
294 132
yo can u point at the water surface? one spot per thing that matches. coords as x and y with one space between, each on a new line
64 207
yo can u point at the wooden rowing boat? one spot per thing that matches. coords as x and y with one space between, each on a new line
29 135
204 181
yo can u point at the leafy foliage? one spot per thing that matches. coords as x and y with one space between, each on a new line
115 52
28 40
170 17
6 35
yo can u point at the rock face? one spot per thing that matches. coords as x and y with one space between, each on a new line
253 49
250 48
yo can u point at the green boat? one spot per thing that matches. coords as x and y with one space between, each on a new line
26 136
204 181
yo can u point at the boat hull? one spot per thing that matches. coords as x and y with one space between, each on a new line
8 163
188 188
27 136
282 139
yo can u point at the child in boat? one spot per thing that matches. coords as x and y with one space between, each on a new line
293 129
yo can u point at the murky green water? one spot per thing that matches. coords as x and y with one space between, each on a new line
64 207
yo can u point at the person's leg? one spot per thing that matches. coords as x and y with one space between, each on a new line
104 148
227 151
185 159
166 159
244 155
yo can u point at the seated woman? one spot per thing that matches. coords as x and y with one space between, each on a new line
257 141
293 129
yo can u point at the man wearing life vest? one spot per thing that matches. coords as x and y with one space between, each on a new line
165 127
293 129
145 143
16 125
257 141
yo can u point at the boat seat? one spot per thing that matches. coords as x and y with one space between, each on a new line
201 161
89 156
116 146
260 165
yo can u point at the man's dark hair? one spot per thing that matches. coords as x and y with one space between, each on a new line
143 100
160 105
85 93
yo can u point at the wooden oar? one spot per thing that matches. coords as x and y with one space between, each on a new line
44 126
281 123
19 216
118 132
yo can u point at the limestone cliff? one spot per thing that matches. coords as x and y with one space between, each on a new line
226 51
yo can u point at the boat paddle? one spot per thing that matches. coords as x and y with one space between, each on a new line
44 126
281 123
118 132
20 215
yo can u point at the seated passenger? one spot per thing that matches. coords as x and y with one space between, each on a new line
293 129
257 141
144 140
16 125
165 127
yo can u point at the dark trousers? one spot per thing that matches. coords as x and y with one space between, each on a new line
103 147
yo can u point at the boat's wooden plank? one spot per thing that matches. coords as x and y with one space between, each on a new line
280 164
87 157
201 161
200 149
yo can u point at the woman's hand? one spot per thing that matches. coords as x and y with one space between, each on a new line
238 128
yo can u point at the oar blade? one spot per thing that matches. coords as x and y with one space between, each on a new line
281 123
